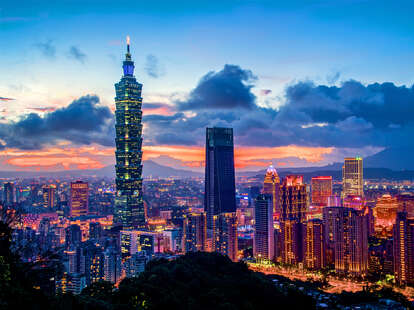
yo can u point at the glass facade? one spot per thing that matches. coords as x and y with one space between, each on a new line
129 207
220 193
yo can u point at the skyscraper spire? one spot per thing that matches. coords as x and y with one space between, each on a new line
128 65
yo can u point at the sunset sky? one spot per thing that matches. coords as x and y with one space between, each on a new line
303 83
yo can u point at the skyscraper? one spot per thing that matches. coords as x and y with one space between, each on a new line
263 244
129 207
271 186
352 177
220 192
321 187
79 198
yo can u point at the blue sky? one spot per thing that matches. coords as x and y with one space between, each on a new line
281 42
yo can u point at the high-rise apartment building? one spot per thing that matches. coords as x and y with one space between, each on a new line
271 186
314 245
293 207
195 232
351 241
352 177
225 234
129 208
263 242
112 265
79 198
220 192
403 252
321 187
73 235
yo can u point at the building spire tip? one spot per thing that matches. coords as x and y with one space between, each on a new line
128 42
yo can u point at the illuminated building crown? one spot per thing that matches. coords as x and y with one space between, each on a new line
271 175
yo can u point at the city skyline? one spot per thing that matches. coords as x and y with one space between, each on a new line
289 100
249 154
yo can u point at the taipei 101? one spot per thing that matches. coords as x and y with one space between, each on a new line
198 155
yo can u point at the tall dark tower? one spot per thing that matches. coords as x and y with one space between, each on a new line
220 192
129 207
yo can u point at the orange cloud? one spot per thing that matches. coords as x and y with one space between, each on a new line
90 157
164 110
54 162
244 156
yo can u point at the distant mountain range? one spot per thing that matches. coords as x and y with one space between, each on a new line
150 168
395 163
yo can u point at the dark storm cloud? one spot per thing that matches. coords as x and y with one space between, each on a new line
350 115
227 89
83 121
77 54
47 48
153 67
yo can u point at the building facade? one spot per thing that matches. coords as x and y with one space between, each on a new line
321 187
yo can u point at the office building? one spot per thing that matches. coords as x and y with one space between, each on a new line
79 198
220 193
129 208
321 187
352 177
263 243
